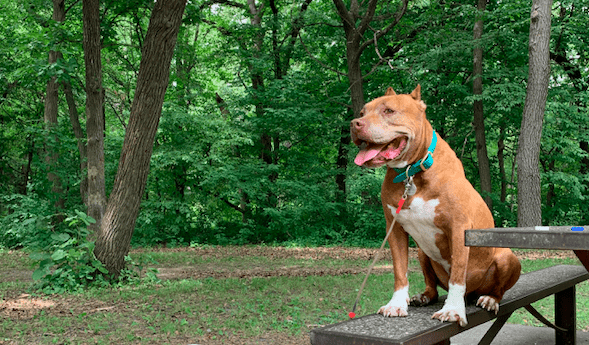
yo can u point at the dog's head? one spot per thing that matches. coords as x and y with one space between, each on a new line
391 130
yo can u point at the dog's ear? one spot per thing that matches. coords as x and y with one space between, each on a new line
416 94
390 92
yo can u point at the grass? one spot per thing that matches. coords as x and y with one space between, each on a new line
233 310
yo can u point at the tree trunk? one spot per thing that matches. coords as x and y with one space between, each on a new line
529 211
258 80
353 53
584 171
26 169
501 162
79 134
50 115
122 209
94 114
479 117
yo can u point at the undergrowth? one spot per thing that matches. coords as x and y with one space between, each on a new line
66 262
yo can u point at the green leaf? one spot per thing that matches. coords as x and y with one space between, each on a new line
86 218
28 221
39 273
60 237
47 263
58 255
99 266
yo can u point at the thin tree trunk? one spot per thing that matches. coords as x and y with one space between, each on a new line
479 117
26 169
118 223
529 211
94 113
550 194
79 133
50 115
501 161
353 52
584 145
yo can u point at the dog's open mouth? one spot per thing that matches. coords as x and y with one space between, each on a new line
378 154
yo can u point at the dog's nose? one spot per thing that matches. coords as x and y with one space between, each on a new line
357 124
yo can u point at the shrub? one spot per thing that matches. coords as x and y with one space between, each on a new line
67 262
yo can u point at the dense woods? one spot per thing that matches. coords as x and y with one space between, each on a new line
252 145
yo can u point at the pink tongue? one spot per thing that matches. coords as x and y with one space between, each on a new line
368 153
372 150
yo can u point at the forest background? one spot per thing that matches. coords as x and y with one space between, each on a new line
253 142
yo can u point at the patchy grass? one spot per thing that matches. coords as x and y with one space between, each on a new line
278 296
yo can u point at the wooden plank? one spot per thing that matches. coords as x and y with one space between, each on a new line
557 237
419 328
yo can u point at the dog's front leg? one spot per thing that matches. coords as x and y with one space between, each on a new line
399 244
454 307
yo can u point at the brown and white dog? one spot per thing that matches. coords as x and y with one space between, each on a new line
440 205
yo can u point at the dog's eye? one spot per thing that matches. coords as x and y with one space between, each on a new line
389 111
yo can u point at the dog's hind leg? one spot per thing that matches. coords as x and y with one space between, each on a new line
505 272
430 295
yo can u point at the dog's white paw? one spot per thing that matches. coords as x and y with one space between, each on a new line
392 311
451 314
454 308
489 303
398 304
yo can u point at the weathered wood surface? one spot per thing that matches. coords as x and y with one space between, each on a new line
556 237
419 328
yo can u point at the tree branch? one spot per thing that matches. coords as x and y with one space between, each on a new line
232 205
367 17
378 53
343 12
383 32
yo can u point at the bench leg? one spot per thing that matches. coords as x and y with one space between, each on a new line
495 328
443 342
566 316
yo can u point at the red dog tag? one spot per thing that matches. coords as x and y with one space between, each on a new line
401 202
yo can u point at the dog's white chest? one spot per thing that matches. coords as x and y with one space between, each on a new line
418 221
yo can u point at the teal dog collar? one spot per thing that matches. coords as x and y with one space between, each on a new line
421 165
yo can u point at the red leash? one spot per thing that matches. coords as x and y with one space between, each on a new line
352 314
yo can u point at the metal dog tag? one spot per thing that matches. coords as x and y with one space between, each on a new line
410 187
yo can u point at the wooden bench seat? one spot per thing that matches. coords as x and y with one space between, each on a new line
419 328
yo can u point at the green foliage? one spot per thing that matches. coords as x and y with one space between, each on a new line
21 217
251 129
137 271
67 262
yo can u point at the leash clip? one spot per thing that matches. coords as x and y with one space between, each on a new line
410 189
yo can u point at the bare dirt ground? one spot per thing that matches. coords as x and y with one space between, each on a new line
337 253
24 306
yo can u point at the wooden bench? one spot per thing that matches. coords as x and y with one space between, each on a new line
419 328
